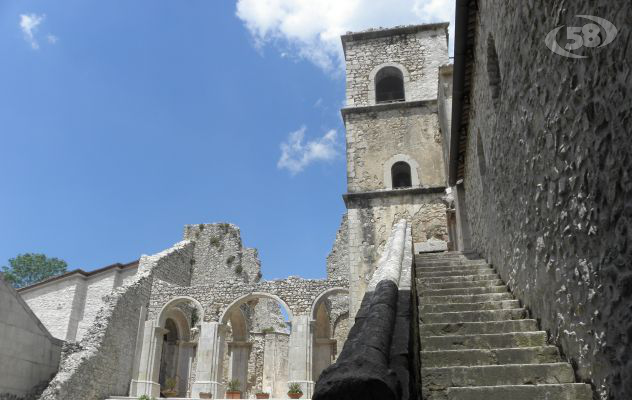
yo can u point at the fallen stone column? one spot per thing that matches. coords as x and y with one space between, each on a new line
374 363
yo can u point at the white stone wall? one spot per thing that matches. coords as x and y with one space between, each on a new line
68 306
29 355
54 304
419 51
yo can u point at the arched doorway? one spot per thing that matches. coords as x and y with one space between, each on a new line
256 351
328 309
169 355
168 349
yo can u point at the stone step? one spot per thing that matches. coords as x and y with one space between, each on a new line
464 269
567 391
488 305
474 328
458 285
463 298
456 278
467 254
474 316
440 379
460 272
485 341
472 357
450 263
462 291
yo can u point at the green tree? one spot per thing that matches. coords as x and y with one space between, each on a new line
27 269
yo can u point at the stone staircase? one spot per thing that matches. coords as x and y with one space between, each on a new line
478 343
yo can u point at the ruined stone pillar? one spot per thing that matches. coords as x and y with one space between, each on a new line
209 360
300 354
239 353
146 381
275 364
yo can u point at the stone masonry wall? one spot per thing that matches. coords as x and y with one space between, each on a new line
219 254
101 364
421 53
370 223
299 294
375 136
548 187
338 258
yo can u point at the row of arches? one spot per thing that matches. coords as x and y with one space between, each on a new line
185 353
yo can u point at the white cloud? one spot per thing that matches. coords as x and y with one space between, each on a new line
296 154
311 29
29 24
52 39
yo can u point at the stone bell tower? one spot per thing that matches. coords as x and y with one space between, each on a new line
394 151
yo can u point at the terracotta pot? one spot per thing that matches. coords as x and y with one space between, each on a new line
169 393
295 395
206 395
233 395
262 395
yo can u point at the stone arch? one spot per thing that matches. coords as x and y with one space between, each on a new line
223 319
322 296
180 353
372 95
180 300
414 170
324 346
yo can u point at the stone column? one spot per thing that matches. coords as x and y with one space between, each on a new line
275 364
146 381
185 354
322 356
239 353
209 360
300 354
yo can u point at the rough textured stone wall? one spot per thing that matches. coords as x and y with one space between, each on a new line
29 354
375 136
549 179
421 53
101 364
220 255
299 294
338 258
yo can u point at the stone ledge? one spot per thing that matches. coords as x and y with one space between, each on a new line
397 30
350 197
388 106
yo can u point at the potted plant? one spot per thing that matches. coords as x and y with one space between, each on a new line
232 392
295 391
206 395
262 395
169 389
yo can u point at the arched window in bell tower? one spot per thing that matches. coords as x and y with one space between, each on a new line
400 175
389 85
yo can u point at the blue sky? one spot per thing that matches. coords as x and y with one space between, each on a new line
120 122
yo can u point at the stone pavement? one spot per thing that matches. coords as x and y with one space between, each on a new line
478 343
